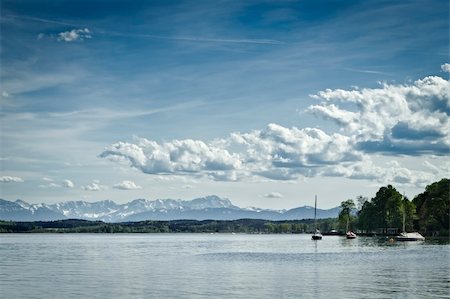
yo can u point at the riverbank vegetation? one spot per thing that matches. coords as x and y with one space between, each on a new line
385 213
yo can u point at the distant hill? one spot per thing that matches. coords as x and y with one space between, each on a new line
209 207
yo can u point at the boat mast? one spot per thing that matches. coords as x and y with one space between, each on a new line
404 212
315 214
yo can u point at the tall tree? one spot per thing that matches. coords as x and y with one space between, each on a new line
388 208
409 209
361 200
367 217
433 208
345 214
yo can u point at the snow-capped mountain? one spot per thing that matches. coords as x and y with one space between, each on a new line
85 210
209 207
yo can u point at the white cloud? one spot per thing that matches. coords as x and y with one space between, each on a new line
177 156
51 183
392 173
127 185
11 179
276 152
74 35
446 67
68 184
409 119
398 119
273 195
94 186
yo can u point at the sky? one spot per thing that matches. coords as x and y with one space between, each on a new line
267 103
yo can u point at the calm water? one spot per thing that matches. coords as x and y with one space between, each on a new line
219 265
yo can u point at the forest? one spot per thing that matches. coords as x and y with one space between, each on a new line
385 213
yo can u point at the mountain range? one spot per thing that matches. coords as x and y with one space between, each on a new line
209 207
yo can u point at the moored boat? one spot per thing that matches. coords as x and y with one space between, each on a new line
404 236
414 236
350 235
317 235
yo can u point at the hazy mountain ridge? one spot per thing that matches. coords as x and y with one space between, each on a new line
209 207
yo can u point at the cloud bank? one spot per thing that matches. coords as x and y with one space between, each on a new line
408 120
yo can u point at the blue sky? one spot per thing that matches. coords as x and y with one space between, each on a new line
266 103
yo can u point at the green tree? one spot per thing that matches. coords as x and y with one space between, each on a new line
410 214
388 208
367 217
433 207
361 200
345 214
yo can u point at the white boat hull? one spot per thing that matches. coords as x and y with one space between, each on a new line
410 237
350 235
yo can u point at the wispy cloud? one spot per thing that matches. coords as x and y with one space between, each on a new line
367 71
80 34
207 40
41 20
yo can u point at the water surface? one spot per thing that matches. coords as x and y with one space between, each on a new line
219 266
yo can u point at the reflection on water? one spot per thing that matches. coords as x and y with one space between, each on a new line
220 265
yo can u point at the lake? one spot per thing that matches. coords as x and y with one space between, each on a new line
219 266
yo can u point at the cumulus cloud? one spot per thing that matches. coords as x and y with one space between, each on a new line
94 186
178 156
68 184
273 195
11 179
446 67
74 35
127 185
409 119
275 152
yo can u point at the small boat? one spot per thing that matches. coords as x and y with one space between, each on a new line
404 236
350 235
317 235
414 236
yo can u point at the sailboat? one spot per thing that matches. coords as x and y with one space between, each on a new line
349 234
404 236
317 235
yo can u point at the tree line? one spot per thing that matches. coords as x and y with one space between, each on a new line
427 212
249 226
